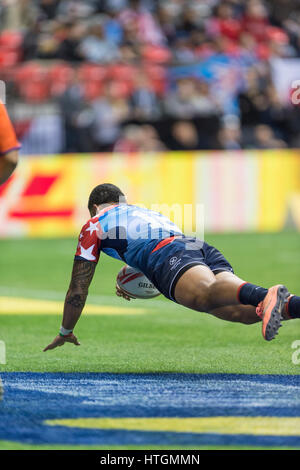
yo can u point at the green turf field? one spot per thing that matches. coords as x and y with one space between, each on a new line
162 337
165 338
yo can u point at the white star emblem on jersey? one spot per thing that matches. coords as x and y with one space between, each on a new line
92 228
87 253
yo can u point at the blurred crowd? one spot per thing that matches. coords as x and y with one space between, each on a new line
150 75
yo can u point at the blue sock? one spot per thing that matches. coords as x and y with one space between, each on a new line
249 294
294 306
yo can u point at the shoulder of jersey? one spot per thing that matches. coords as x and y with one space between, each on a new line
92 220
92 226
89 240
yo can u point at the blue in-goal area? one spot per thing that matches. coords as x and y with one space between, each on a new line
151 409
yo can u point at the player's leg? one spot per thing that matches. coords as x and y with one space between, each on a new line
189 276
247 313
235 313
8 163
200 290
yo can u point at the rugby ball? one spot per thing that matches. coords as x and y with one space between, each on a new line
135 284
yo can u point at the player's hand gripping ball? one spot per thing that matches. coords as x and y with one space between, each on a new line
133 284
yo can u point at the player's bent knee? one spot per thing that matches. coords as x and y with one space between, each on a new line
202 297
11 158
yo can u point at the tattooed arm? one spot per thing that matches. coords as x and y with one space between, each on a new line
82 275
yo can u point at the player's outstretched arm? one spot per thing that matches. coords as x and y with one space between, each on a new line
82 275
9 146
8 163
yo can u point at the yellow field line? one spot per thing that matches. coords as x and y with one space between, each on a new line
18 305
264 426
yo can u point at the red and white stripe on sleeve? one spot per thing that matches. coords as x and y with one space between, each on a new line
89 241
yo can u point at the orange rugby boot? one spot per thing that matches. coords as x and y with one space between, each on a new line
270 310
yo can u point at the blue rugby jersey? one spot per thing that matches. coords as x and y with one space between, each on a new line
125 232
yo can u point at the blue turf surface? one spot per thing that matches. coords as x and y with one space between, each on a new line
31 398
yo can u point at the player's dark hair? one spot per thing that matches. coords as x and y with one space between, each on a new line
105 193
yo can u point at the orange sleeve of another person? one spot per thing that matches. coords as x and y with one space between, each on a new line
8 139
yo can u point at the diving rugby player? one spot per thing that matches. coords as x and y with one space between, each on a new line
9 146
186 270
